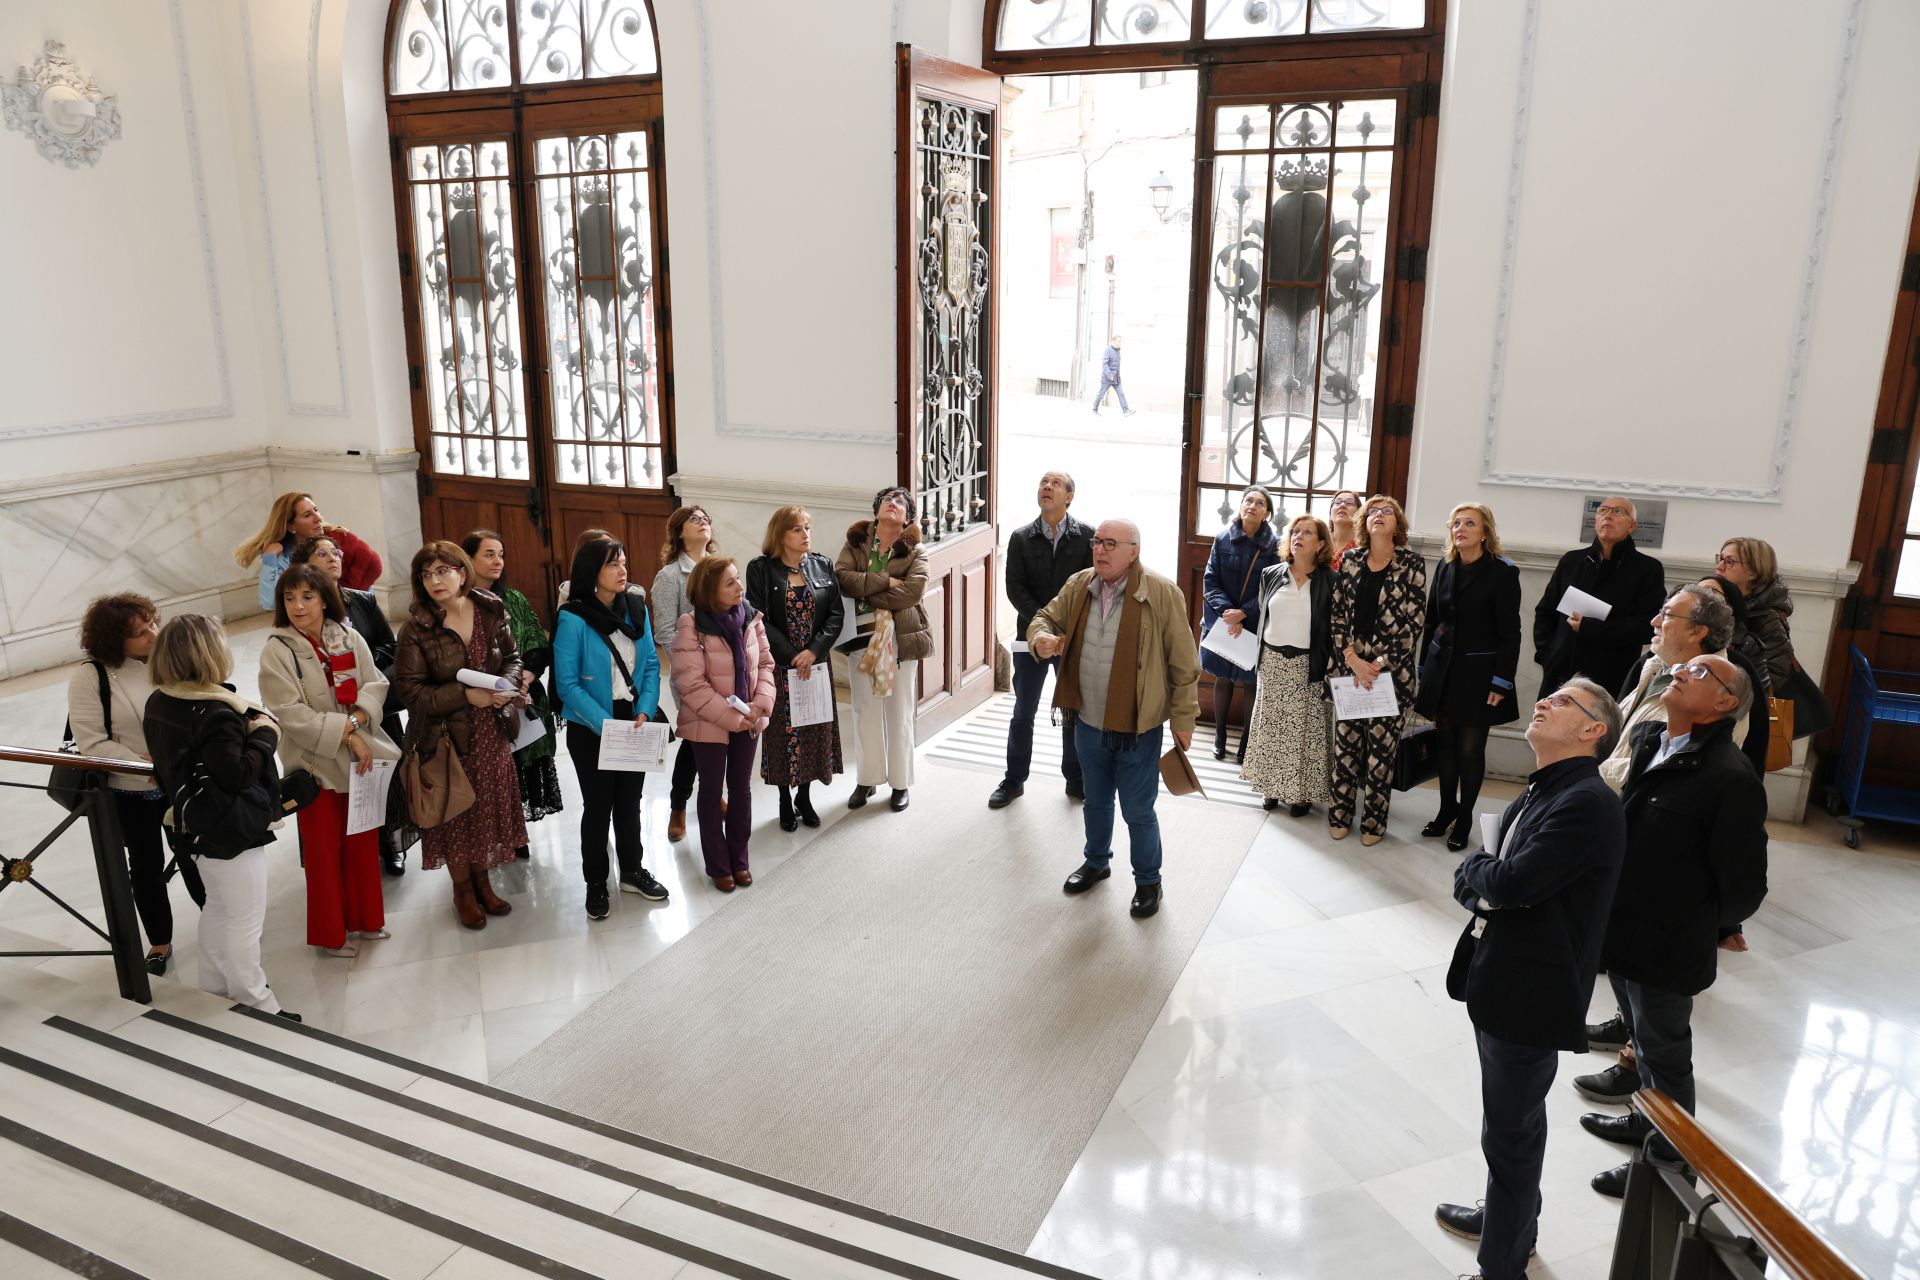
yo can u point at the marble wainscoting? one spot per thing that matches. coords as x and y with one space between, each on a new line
167 531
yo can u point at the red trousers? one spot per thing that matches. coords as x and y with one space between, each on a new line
343 873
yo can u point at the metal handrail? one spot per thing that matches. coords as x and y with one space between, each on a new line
1780 1233
73 760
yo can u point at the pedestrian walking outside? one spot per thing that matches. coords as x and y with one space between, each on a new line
1110 377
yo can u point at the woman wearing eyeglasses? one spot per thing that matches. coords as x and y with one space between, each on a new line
689 540
1750 565
453 626
1343 522
1379 606
1231 588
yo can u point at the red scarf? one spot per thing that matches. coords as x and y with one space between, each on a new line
346 689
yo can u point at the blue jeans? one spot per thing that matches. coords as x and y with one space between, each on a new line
1127 764
1029 678
1101 398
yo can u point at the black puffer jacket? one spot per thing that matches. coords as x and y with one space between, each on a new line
183 732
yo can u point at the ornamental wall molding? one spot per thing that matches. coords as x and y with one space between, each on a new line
60 108
1773 487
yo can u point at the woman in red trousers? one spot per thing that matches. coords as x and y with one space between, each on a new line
318 678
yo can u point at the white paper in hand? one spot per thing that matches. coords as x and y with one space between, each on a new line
1242 651
532 729
1577 601
1490 833
809 701
633 748
367 797
481 680
1351 702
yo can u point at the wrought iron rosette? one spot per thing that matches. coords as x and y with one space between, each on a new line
60 109
17 870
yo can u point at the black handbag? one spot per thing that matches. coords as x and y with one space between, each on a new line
67 784
298 790
1416 761
1812 713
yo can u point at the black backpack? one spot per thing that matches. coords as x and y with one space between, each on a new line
216 823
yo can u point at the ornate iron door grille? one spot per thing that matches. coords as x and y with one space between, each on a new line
954 146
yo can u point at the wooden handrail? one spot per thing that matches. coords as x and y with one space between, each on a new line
1784 1234
92 764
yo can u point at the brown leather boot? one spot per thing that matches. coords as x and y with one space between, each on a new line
466 906
494 904
677 825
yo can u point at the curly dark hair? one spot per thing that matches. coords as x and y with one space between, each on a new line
110 621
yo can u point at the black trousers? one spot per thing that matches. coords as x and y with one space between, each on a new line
147 862
685 771
605 795
1514 1079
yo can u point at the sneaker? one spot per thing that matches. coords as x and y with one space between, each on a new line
643 883
1616 1084
1611 1034
597 906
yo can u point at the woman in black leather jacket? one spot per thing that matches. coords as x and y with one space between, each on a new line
798 591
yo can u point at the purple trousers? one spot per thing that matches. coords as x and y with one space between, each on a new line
728 763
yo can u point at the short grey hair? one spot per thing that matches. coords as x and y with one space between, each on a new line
1633 512
1742 686
1133 530
1066 479
1713 613
1604 709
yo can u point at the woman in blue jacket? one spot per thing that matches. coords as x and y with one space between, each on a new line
1232 589
605 668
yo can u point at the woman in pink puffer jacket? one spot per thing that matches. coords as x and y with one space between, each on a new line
723 677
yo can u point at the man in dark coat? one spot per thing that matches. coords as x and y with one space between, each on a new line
1525 963
1610 569
1040 558
1696 867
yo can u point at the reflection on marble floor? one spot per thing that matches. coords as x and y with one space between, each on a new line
1308 1093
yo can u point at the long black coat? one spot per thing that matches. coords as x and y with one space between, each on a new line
1471 647
1529 978
1696 862
1632 581
1276 578
767 592
1036 569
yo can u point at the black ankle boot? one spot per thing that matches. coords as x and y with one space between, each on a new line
788 822
803 806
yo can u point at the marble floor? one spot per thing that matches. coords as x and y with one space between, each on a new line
1308 1092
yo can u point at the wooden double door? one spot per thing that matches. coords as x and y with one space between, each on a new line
534 272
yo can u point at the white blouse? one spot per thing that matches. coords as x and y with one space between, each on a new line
1289 617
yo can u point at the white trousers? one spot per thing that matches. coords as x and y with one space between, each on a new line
883 727
230 927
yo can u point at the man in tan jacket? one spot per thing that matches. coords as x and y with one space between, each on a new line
1130 666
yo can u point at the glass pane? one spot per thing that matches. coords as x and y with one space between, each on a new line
1233 319
1240 19
1913 515
1290 333
1906 581
1048 24
1366 124
1213 509
1362 193
1303 125
596 238
1143 21
1367 15
470 325
1240 127
620 39
550 40
417 63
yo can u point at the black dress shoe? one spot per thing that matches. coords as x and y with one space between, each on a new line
1439 825
289 1015
1628 1130
860 797
898 800
1270 803
393 862
1298 810
803 809
1086 877
1613 1182
1609 1035
789 822
1458 837
520 852
1146 901
1076 791
1459 1220
1219 753
1004 795
1616 1084
157 963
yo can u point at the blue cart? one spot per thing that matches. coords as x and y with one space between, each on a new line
1851 799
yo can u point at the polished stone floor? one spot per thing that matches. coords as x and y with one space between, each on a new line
1308 1093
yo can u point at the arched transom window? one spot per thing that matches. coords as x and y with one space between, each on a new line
1027 25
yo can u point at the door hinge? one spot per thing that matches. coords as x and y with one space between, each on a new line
1889 446
414 378
423 482
1398 420
1910 278
406 264
1423 101
1413 263
1856 611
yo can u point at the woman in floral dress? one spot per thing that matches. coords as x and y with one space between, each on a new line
539 776
797 590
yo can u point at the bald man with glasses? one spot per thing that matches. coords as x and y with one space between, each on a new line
1612 569
1696 867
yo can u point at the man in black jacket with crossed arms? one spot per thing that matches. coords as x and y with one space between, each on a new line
1525 964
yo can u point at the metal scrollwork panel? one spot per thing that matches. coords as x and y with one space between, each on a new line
954 151
585 39
1143 21
1046 24
440 45
470 326
595 201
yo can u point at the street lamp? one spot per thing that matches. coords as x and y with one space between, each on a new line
1160 191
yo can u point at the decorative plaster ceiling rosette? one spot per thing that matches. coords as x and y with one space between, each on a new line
60 108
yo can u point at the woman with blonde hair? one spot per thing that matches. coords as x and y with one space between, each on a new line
293 519
1749 563
206 739
1379 604
1469 653
1289 726
795 589
689 538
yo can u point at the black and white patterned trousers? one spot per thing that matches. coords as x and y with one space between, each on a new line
1363 755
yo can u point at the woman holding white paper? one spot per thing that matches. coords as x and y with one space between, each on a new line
452 627
1289 726
318 677
604 668
1379 606
795 589
723 679
1231 586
